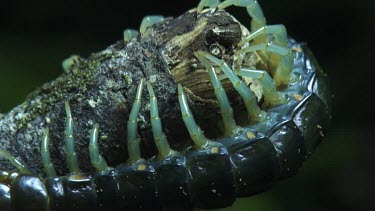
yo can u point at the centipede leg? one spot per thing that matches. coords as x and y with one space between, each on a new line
159 137
226 109
68 63
255 113
72 158
208 163
149 21
49 168
249 148
253 9
133 142
172 177
282 75
195 132
280 38
15 162
271 96
96 159
278 31
129 34
207 3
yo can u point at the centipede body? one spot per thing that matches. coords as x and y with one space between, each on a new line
202 173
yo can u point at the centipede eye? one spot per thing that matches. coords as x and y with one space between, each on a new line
217 50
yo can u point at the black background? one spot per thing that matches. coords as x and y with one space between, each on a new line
35 36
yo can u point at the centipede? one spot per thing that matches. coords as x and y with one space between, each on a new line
186 112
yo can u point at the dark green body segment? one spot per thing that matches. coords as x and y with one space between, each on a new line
5 198
172 182
255 164
55 190
211 183
289 142
137 187
28 193
80 193
312 119
106 184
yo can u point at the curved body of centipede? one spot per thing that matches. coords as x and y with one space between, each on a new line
285 124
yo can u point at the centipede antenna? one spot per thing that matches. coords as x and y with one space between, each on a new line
129 34
157 131
18 164
255 113
195 132
149 21
49 168
282 74
207 3
133 142
225 108
96 159
271 95
72 158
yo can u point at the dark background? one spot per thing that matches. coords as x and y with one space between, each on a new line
35 36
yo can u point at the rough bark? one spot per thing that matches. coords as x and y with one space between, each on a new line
101 89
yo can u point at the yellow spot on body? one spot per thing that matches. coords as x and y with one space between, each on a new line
250 135
78 177
214 150
142 167
298 97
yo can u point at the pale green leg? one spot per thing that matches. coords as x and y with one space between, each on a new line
69 142
133 142
159 137
225 108
271 95
49 168
278 31
68 63
253 9
282 74
255 113
149 21
207 3
20 166
129 34
96 159
195 132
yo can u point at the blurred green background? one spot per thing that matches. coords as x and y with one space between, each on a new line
35 36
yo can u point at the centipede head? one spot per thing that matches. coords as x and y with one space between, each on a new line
217 32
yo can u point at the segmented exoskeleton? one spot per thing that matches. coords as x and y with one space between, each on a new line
288 110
